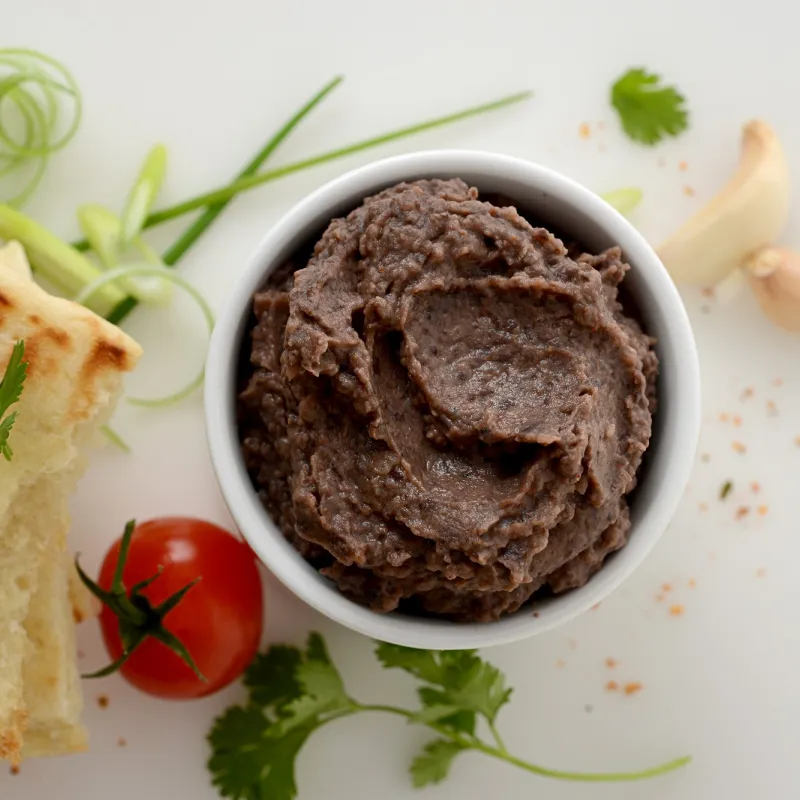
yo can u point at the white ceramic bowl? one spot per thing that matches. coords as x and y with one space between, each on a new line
545 196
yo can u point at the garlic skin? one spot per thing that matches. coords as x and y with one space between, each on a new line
747 215
774 276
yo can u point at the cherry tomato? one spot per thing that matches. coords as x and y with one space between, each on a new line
218 621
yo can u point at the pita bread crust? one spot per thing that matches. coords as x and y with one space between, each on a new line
77 362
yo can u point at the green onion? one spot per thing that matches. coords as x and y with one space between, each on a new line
624 200
243 184
30 119
143 194
188 238
115 438
198 227
103 230
226 193
62 265
166 275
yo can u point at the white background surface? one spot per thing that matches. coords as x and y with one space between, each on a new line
721 680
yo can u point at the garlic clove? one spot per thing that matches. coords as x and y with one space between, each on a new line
747 215
774 276
730 287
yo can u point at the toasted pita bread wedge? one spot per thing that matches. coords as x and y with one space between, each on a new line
76 365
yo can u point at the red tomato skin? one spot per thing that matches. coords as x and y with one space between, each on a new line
219 620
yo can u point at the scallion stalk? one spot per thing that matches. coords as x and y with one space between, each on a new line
143 194
62 265
194 231
230 191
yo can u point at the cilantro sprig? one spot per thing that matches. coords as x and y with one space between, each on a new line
294 692
10 391
648 110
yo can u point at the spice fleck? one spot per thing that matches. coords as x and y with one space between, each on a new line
760 572
14 770
676 610
633 687
611 663
772 408
748 393
724 416
755 487
121 742
797 440
726 489
739 447
777 382
705 458
742 512
688 191
703 506
584 131
667 587
612 686
763 510
692 583
561 663
737 420
102 700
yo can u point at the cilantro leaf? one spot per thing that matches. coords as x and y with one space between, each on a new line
292 693
433 763
271 677
249 764
322 690
481 689
433 701
468 682
421 664
648 110
10 391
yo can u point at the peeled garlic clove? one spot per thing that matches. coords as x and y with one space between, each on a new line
774 276
730 287
747 215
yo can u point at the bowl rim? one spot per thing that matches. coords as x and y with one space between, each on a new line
678 437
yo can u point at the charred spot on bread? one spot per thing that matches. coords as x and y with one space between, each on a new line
105 354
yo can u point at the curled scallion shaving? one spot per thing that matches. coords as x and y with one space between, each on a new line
147 271
32 117
103 229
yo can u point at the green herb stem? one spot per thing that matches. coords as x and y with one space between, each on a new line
587 777
227 192
497 737
500 752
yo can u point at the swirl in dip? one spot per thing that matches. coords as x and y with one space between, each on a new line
444 409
